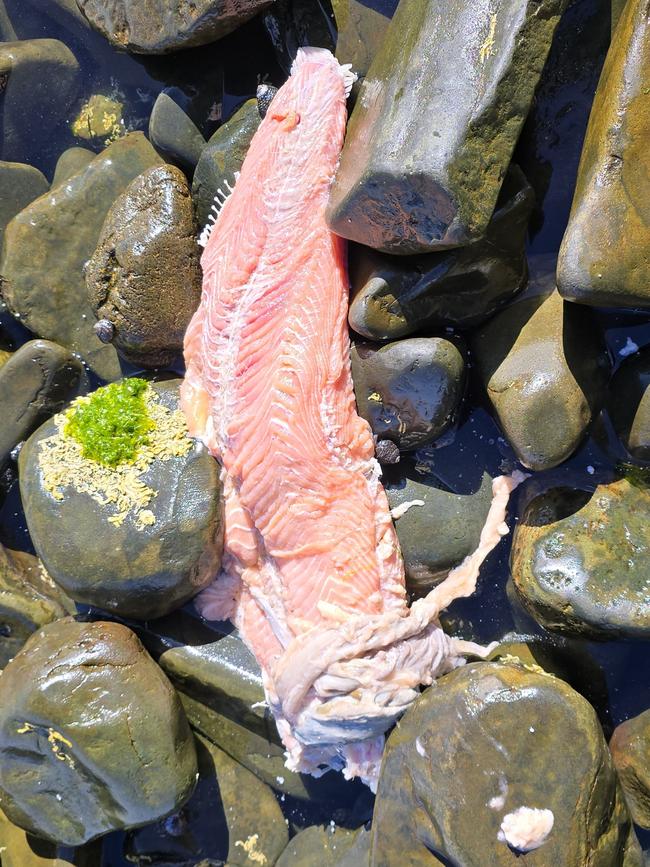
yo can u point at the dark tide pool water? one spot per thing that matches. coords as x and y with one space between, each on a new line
209 83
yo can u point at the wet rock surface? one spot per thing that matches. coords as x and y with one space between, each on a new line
133 568
48 243
29 600
73 768
173 133
361 29
36 381
604 258
70 162
484 741
580 560
20 849
395 296
630 748
628 404
438 189
222 157
327 846
20 184
409 391
162 26
544 369
144 277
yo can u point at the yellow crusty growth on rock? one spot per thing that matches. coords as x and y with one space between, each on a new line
63 465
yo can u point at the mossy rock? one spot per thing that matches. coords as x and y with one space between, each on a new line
328 847
630 748
628 404
580 561
140 570
20 184
20 849
92 735
482 742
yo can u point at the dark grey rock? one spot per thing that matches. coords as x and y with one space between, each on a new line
173 133
135 571
70 162
48 243
630 748
580 560
35 383
407 187
291 24
629 404
327 846
485 740
20 184
144 277
167 25
20 849
79 754
409 391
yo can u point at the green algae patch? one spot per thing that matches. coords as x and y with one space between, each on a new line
113 423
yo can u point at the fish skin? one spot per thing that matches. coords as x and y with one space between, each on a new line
312 574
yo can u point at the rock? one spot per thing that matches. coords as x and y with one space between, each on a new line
580 560
395 296
29 600
79 754
20 184
35 383
605 254
174 133
48 243
222 157
545 370
409 391
231 818
42 81
144 277
328 847
617 9
630 748
457 518
70 162
361 30
100 118
137 559
291 24
439 187
20 849
629 404
485 740
7 32
163 26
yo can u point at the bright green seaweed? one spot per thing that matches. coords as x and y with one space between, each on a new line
113 423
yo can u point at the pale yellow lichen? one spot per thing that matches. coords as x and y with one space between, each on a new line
250 848
63 466
99 117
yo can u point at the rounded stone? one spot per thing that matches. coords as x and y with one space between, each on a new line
130 568
629 404
174 133
93 737
409 391
580 561
144 277
630 748
70 162
20 184
485 740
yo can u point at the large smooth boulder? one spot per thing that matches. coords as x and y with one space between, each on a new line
92 735
48 243
161 26
20 184
20 849
404 186
71 161
144 278
141 552
630 748
328 846
604 259
174 133
628 404
484 741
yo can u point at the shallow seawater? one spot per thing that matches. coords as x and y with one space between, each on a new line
210 83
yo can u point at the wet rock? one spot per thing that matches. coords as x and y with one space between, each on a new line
487 739
137 562
604 257
48 243
100 118
291 24
544 368
163 26
20 184
440 531
29 600
630 748
395 296
80 755
231 818
222 157
174 133
144 277
35 383
70 162
409 391
580 560
7 32
42 80
20 849
361 30
438 189
617 9
629 404
327 846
